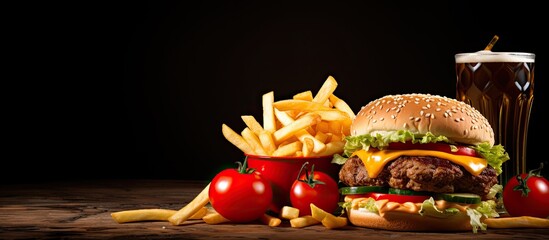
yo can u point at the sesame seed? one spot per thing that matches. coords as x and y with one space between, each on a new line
421 113
374 121
428 115
381 119
393 116
417 119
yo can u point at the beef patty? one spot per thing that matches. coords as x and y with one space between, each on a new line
420 173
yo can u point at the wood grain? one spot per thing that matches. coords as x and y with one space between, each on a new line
81 210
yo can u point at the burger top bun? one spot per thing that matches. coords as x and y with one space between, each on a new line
422 113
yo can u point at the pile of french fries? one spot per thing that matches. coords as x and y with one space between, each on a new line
304 126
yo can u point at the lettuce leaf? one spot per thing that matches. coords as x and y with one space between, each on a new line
485 209
494 155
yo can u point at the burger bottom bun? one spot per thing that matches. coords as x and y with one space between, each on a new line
400 221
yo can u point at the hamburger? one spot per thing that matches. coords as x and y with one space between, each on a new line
420 162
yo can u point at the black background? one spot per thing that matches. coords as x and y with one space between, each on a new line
140 90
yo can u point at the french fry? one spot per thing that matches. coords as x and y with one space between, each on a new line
326 90
303 221
142 215
308 146
321 137
253 141
270 220
151 214
335 127
342 105
302 134
266 139
517 222
327 219
306 95
323 127
288 212
236 139
190 209
288 149
317 213
336 138
301 105
269 121
283 117
333 148
214 218
331 115
332 222
299 124
252 124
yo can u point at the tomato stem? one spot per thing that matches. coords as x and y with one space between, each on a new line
522 182
309 178
522 185
243 168
537 171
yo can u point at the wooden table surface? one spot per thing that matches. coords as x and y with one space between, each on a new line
81 210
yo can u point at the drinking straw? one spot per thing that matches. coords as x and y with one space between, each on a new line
492 42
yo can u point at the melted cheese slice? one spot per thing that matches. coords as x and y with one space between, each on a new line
375 160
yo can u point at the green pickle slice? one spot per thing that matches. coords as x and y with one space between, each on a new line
468 198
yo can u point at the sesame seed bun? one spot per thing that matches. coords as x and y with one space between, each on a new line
422 113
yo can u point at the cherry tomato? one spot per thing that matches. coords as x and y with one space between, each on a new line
442 147
527 195
240 195
318 188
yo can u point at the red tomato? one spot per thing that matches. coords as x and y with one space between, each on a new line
392 197
240 195
527 195
442 147
318 188
401 198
